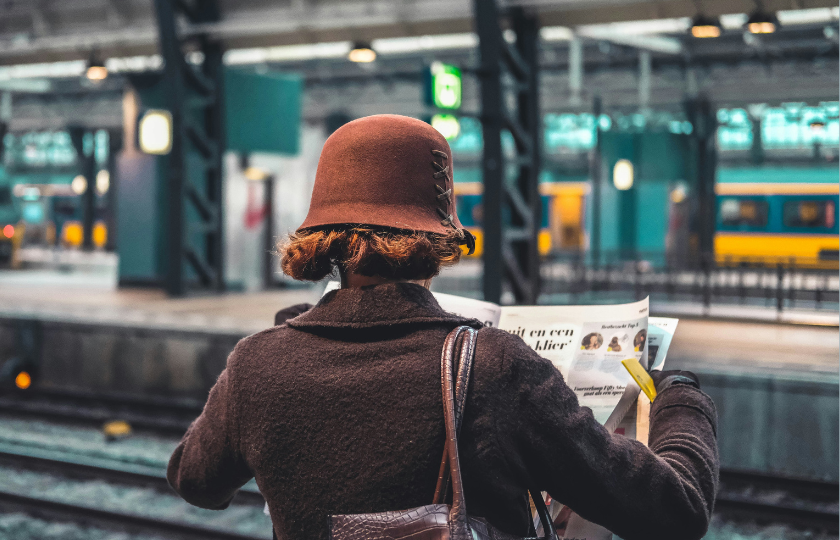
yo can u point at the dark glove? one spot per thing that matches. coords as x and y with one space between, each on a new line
290 313
665 379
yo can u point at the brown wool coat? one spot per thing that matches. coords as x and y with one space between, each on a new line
339 411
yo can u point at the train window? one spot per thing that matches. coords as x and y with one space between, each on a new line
808 214
744 212
5 195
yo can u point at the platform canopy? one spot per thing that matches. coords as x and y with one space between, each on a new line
54 30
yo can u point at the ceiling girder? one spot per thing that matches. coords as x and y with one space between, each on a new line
70 29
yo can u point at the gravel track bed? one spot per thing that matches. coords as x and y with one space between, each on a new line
148 450
244 519
22 527
154 451
721 529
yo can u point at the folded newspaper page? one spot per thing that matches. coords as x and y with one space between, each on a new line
660 333
587 345
622 421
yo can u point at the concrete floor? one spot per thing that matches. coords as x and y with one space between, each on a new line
798 351
699 344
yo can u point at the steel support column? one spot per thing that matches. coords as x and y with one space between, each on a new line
87 164
702 115
509 79
115 144
268 238
194 182
595 167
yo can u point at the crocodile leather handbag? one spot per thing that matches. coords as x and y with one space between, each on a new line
439 521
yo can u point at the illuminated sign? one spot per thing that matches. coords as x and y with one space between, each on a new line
51 149
156 132
623 175
792 125
443 86
447 124
39 149
735 130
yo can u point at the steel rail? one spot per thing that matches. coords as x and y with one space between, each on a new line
777 513
819 489
137 421
806 496
76 469
728 503
117 398
161 415
59 511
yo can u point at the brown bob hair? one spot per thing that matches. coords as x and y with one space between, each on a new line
311 255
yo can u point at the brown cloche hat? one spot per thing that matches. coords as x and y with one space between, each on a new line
386 170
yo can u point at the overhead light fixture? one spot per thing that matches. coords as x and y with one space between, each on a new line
623 175
250 172
96 70
79 184
362 52
156 132
103 181
817 125
705 27
255 174
679 194
761 22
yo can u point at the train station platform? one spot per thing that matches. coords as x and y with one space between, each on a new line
235 313
769 380
724 343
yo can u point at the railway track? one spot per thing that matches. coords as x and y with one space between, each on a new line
160 415
763 498
60 511
121 474
132 475
743 495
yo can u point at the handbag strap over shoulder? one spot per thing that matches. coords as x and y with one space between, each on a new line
460 343
464 357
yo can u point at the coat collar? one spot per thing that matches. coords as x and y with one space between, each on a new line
391 304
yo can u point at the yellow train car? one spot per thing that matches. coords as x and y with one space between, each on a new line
562 224
773 223
72 234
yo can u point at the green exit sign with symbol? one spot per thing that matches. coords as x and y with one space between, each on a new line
443 86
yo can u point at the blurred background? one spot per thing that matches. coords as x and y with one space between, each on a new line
155 151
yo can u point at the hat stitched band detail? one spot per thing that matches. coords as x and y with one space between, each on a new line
443 193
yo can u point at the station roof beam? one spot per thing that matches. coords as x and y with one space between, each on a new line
70 29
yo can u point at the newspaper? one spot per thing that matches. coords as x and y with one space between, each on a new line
622 421
587 345
660 334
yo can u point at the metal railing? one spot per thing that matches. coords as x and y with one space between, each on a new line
805 284
794 283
